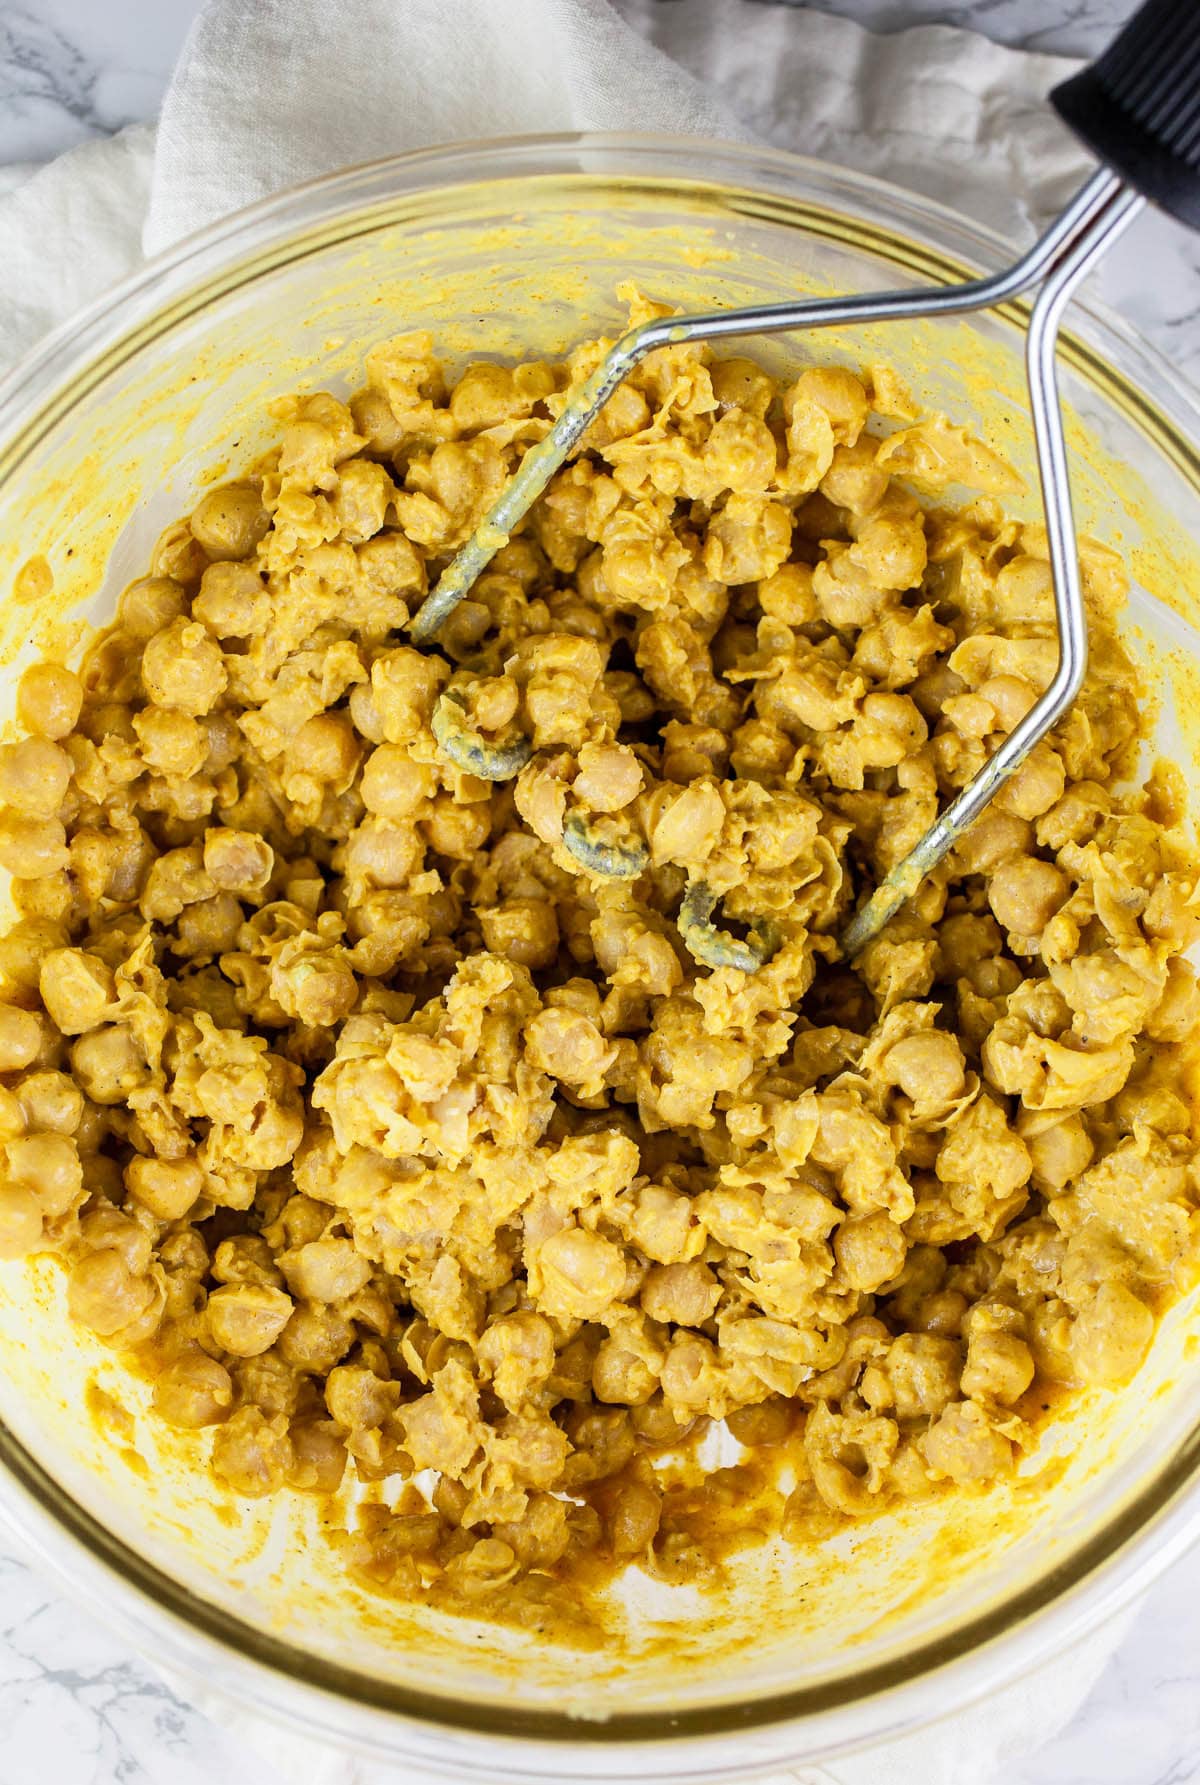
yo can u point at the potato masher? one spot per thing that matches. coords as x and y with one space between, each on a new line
1138 109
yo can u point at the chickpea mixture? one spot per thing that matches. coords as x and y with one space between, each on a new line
438 1069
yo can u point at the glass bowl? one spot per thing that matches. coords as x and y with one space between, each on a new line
105 434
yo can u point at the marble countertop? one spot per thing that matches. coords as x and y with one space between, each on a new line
76 1706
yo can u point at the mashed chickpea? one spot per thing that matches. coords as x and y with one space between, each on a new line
445 1061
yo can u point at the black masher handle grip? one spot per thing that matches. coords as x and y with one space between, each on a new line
1138 106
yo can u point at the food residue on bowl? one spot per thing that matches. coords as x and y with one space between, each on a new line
438 1069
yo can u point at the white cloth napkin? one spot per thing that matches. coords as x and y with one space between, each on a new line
258 103
274 92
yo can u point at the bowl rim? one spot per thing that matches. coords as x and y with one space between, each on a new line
987 1648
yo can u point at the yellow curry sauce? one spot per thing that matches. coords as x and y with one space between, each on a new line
438 1069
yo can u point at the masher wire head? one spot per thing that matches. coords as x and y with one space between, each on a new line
1139 106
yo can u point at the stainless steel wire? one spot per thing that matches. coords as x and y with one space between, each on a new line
1113 213
1061 257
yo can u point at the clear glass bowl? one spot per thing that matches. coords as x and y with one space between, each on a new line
104 433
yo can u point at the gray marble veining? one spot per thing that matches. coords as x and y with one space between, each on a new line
1060 27
74 69
76 1707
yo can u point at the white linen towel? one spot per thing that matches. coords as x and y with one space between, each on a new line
273 93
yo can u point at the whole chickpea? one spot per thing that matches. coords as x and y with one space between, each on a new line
1037 785
1024 893
194 1391
108 1063
999 1367
77 989
455 830
393 785
182 667
104 1295
167 1187
326 748
326 1270
149 605
524 930
634 1519
252 1453
765 1422
34 776
621 1376
49 699
870 1250
229 521
20 1038
318 1457
51 1102
246 1319
232 600
315 1339
32 848
1010 697
49 1166
929 1067
609 777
